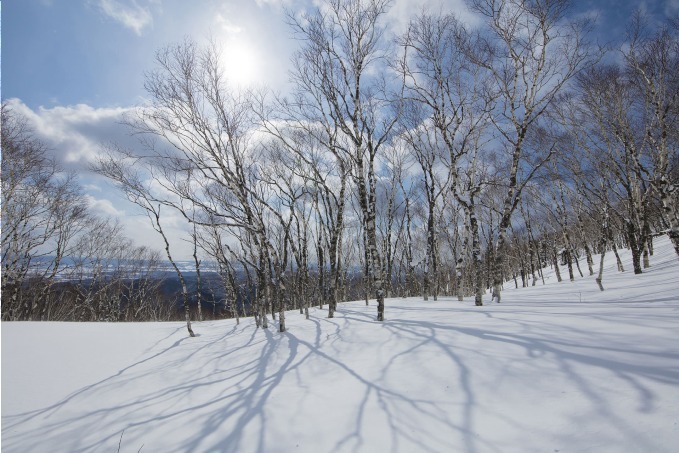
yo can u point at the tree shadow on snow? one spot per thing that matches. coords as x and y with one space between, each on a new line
233 396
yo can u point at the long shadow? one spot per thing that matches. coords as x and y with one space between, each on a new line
387 397
383 394
232 399
429 337
50 410
535 347
158 365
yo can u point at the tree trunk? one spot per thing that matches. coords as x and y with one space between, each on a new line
618 261
367 280
635 246
198 288
577 262
590 260
185 293
569 258
321 276
499 262
281 302
555 263
645 254
601 264
458 274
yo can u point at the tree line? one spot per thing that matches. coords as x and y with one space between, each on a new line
448 160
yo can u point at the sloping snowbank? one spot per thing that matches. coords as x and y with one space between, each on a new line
562 367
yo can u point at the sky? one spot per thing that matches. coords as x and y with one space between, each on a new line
73 67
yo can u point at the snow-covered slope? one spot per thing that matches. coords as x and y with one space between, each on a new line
555 368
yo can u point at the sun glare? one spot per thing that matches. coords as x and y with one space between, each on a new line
240 63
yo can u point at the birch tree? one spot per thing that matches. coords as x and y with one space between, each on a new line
344 46
199 149
652 61
43 212
531 51
131 182
453 99
305 130
612 110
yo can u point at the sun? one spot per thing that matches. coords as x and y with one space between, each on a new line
240 62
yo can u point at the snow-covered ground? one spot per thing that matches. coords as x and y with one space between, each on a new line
555 368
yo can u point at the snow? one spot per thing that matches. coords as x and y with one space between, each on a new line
557 368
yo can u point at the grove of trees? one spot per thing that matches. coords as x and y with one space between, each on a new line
448 160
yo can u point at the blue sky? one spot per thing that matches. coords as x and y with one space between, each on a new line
65 52
73 67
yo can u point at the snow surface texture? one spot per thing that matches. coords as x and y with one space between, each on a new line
555 368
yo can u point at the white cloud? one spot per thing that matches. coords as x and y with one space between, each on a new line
402 11
273 3
129 13
226 25
103 206
92 187
76 134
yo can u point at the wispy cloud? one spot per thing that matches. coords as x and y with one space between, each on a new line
129 13
273 3
403 11
226 25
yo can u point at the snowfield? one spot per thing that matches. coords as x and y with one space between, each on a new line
555 368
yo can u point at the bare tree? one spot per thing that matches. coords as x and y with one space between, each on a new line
344 47
453 99
389 209
130 181
612 108
199 150
652 61
308 139
531 51
59 260
197 262
110 279
43 212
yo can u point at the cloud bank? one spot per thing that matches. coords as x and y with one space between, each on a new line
76 134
